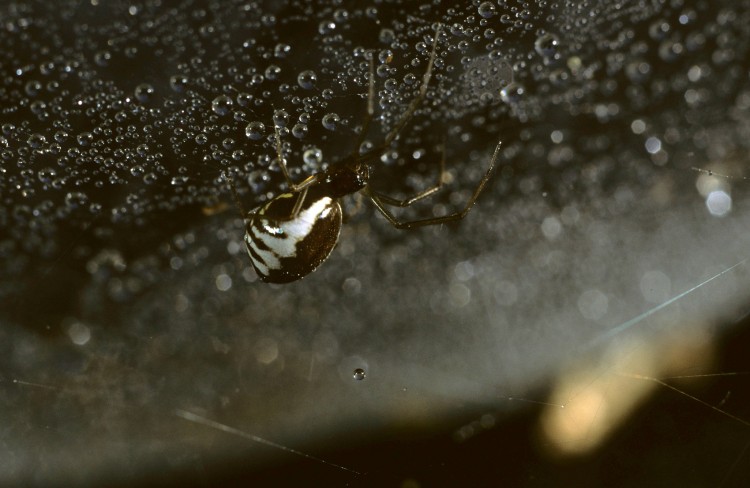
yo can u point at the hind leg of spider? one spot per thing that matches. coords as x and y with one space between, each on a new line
238 203
380 203
405 202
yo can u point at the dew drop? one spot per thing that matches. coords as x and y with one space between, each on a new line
272 72
46 175
244 99
36 141
178 83
85 138
102 58
144 92
280 118
282 50
221 105
331 121
312 156
307 79
32 88
386 36
359 374
254 130
299 131
487 9
547 45
326 27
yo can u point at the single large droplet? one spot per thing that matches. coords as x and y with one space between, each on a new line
144 92
312 156
487 9
331 121
307 79
36 141
547 45
280 118
221 105
178 83
254 130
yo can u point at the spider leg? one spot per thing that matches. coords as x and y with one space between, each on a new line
230 178
379 201
419 196
370 104
406 116
298 204
294 187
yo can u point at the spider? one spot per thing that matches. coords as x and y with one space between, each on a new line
288 237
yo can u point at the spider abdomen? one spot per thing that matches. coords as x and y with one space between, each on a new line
284 247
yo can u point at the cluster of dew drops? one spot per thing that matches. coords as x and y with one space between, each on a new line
143 109
84 138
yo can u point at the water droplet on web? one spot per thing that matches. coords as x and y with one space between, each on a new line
178 83
221 105
144 92
32 88
102 58
359 374
312 156
36 141
365 147
547 45
280 118
85 138
46 175
326 27
331 121
386 36
487 9
272 72
299 131
254 130
244 99
306 79
282 50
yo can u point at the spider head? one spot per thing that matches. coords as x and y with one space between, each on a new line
346 179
